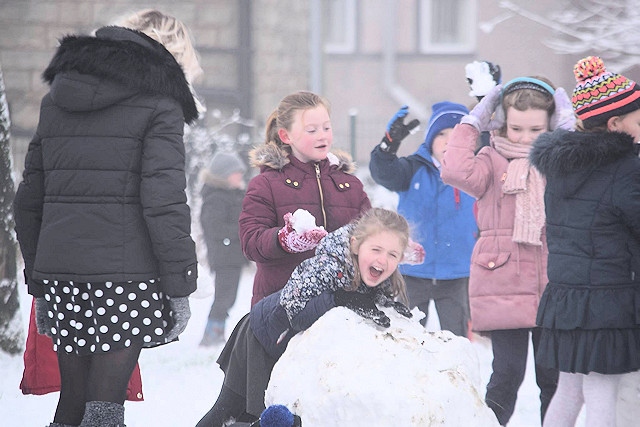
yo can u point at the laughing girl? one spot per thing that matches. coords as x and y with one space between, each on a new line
356 267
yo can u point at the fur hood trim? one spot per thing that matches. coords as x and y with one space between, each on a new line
275 157
127 57
562 152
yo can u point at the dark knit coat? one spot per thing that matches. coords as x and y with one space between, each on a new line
592 203
102 196
326 189
219 215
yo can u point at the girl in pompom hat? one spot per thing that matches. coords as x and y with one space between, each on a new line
589 310
508 263
441 216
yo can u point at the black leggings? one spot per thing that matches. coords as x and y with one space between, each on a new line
99 377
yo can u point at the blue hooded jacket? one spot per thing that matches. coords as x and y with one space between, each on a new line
441 217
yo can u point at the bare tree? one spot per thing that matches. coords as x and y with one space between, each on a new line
607 28
11 330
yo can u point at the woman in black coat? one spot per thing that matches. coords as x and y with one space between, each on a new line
589 310
101 214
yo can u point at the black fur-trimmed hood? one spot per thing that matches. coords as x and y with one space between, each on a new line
562 152
270 155
115 64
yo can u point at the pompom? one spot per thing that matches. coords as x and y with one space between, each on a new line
276 416
588 67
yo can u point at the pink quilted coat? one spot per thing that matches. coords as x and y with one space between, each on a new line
506 278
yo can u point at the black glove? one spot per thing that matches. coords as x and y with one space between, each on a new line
397 131
363 305
387 301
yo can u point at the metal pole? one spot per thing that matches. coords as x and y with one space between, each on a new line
353 114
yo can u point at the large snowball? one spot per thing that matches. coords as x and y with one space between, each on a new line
346 371
302 221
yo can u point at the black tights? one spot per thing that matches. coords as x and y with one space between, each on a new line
98 377
229 404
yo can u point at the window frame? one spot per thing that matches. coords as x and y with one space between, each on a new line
466 21
348 44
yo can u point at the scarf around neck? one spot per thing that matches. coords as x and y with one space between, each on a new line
527 184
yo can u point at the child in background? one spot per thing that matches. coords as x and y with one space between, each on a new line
509 260
223 188
441 216
298 170
101 213
355 266
589 310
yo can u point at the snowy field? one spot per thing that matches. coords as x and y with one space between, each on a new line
181 381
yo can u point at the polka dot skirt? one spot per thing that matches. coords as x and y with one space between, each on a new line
91 318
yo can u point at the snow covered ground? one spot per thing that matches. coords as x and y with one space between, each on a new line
181 381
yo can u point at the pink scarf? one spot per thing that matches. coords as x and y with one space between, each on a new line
527 184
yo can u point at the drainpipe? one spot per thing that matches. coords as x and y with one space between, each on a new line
396 91
315 46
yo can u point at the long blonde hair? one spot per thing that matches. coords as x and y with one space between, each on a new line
374 221
172 33
284 114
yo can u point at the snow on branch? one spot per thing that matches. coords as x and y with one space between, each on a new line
607 28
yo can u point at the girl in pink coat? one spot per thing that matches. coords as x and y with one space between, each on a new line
509 260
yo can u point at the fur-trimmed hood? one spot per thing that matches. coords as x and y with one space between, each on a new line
115 64
274 157
571 157
564 152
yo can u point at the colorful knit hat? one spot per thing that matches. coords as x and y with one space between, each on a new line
600 94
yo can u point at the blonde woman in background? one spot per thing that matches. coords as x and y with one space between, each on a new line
106 236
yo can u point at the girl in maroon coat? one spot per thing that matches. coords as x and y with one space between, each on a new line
298 170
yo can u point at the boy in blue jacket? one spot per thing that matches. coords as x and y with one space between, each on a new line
441 216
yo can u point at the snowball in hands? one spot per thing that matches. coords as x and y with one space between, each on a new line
300 232
302 221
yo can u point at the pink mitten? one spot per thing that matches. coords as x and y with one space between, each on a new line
293 242
414 254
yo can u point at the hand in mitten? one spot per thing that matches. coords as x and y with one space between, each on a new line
181 313
294 242
414 253
564 116
44 323
482 116
397 130
387 301
362 304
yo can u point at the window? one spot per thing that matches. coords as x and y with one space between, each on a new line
339 26
447 26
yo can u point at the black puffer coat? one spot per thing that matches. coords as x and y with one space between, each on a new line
592 202
102 197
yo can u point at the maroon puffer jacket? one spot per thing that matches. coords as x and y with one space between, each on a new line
326 189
